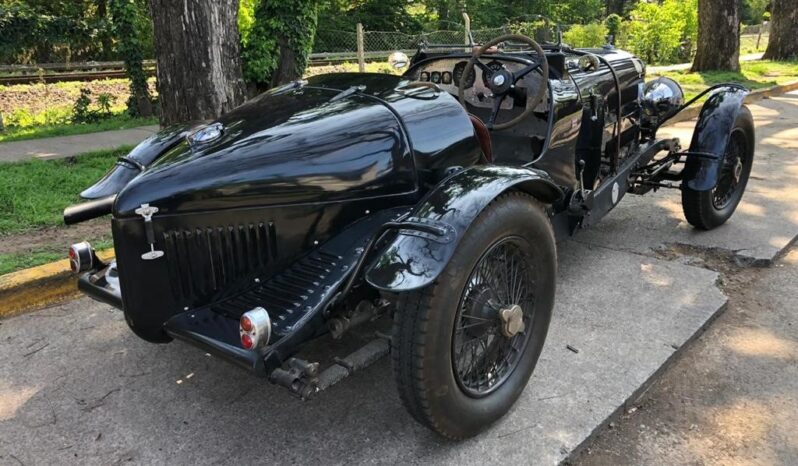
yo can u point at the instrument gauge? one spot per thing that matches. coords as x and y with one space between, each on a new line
435 77
424 76
446 77
457 75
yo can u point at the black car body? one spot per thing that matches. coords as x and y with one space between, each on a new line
323 200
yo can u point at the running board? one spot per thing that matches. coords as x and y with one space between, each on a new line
303 379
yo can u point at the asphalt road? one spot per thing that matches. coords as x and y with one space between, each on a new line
77 387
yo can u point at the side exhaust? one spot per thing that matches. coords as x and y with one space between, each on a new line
88 210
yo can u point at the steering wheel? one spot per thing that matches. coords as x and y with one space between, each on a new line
503 82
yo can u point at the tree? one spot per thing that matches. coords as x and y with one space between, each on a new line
718 46
130 40
783 42
198 52
279 41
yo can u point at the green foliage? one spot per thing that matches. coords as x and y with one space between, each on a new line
81 113
22 118
246 19
36 127
613 23
279 27
586 36
34 193
753 11
661 33
105 101
129 31
44 31
374 15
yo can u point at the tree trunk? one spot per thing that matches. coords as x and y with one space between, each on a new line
783 42
280 42
718 46
199 67
616 6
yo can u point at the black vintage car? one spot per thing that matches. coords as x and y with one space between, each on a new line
434 198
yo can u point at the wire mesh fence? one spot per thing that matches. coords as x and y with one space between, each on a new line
342 45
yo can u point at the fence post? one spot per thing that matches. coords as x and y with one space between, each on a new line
361 54
467 23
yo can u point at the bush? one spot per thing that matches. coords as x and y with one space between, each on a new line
661 33
586 36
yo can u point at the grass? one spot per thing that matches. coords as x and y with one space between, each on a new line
69 129
23 260
34 193
748 44
753 74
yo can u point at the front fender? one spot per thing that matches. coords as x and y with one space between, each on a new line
130 166
715 123
414 259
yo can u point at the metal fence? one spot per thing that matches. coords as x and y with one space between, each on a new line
333 45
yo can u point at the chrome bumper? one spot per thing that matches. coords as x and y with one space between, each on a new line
102 285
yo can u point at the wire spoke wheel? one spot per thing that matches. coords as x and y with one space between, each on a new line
492 325
734 162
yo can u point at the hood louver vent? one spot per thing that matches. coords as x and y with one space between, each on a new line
205 261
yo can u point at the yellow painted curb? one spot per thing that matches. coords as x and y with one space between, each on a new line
39 286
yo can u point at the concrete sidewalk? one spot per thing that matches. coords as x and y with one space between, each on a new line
67 146
686 66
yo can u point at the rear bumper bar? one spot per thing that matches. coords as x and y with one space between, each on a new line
102 285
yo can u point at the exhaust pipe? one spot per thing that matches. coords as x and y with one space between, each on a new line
88 210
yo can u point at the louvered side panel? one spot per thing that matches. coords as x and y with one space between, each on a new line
203 261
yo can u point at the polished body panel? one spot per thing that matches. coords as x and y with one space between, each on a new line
414 259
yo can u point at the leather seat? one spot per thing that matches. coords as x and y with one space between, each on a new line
483 136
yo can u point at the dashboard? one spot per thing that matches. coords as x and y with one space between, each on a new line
447 73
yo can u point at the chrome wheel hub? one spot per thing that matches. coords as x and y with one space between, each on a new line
738 170
512 320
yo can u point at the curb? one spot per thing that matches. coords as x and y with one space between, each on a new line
755 95
40 286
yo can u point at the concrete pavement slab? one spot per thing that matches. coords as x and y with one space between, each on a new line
77 387
766 221
67 146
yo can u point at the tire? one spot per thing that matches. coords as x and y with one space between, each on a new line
706 210
424 341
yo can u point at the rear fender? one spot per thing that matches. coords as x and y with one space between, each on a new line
414 259
715 123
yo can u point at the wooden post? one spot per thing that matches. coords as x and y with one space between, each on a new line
361 53
467 23
759 36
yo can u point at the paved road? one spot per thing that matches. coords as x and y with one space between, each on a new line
76 387
67 146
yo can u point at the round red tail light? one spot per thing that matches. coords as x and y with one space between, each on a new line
246 341
246 324
81 257
255 328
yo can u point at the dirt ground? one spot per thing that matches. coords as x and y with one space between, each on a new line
732 398
54 237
